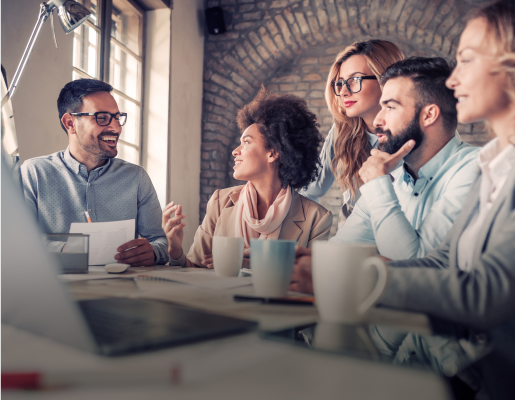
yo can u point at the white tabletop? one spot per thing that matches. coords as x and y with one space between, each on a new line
270 317
235 367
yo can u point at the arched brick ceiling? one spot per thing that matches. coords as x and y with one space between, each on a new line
264 35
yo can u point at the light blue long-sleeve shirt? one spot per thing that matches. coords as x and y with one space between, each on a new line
58 190
407 219
325 180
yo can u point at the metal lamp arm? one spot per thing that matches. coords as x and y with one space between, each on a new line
71 15
44 13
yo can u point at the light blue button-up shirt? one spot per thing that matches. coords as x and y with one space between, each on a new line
58 190
408 218
325 180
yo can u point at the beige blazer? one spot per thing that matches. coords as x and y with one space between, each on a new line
305 222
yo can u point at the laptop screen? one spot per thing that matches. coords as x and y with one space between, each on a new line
32 296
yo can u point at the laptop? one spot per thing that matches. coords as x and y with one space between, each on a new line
35 300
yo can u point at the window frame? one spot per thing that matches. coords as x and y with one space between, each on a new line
104 16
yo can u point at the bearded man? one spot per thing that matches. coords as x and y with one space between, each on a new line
416 182
407 210
61 187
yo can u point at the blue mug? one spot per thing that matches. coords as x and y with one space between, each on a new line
271 262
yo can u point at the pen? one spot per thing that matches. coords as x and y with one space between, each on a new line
51 380
299 301
88 217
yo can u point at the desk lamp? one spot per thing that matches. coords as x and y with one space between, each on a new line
72 15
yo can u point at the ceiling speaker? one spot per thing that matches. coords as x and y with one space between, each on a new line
215 20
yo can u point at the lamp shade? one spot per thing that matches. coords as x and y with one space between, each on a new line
71 14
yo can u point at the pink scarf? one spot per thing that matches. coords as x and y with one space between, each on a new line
249 227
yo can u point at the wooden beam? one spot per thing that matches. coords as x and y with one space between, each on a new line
148 5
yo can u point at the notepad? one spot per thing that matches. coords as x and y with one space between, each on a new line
105 238
157 280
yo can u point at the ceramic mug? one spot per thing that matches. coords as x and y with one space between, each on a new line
271 262
227 255
343 338
347 280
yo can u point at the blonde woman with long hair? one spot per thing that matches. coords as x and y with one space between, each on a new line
467 284
470 278
352 94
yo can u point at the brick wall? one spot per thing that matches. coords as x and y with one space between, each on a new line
289 46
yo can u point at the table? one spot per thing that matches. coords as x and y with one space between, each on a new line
270 317
228 368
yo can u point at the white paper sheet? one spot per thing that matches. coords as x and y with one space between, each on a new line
105 238
98 272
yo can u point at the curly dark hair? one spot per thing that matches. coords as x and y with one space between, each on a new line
291 129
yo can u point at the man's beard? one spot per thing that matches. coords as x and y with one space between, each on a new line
395 142
91 145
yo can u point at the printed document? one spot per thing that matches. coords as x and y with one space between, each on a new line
105 238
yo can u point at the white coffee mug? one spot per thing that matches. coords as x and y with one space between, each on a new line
347 280
343 338
271 262
227 255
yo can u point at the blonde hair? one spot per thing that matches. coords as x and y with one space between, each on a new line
500 18
351 144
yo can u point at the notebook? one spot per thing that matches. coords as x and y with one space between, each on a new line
34 299
205 279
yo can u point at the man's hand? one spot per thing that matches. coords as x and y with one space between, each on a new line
386 260
301 280
302 251
137 253
246 258
174 229
380 163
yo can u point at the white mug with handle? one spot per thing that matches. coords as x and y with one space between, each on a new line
369 268
347 280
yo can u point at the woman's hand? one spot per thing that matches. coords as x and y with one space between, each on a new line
208 261
174 229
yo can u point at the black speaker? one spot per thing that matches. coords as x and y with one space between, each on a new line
215 20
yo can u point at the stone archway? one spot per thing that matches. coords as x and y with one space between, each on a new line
265 36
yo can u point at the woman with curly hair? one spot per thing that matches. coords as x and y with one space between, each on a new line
275 157
352 94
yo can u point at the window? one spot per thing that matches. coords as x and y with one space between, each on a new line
111 49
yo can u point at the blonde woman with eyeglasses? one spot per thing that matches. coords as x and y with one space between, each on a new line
352 94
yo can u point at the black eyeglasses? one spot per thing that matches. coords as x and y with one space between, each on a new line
104 118
353 84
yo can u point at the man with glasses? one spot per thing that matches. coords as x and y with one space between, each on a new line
86 177
408 211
